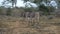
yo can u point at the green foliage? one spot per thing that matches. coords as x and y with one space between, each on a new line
35 1
46 9
30 9
25 0
13 2
0 10
27 9
8 12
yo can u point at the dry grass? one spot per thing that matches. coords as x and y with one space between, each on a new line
20 25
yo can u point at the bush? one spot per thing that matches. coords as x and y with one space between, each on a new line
8 12
0 10
46 9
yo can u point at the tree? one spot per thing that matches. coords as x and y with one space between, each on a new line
58 4
41 7
13 2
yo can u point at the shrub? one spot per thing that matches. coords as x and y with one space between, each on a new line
0 10
46 9
8 12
